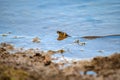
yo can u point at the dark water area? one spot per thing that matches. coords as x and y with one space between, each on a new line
42 18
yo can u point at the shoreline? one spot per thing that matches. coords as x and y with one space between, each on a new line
38 65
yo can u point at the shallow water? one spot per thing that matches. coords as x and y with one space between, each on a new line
42 18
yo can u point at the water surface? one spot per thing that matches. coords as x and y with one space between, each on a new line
42 18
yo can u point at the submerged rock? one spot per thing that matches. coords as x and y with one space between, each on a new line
36 40
79 43
92 37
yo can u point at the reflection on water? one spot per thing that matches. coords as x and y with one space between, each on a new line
42 18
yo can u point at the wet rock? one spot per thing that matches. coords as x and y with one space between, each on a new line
37 54
36 40
7 46
61 51
46 63
88 68
32 65
2 49
62 35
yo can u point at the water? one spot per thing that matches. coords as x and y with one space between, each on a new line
42 18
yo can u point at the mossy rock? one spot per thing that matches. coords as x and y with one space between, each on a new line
10 73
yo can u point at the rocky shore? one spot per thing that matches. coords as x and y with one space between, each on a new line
19 64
